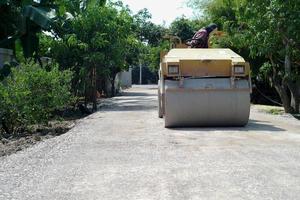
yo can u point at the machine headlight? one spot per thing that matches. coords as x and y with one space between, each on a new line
173 69
239 69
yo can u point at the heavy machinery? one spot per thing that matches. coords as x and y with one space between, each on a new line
203 87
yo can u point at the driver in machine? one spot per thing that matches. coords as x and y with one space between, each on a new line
200 39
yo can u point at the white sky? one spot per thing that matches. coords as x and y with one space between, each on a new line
161 10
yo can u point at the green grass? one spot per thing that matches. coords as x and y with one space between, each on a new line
274 111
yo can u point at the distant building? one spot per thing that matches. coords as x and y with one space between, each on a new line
124 79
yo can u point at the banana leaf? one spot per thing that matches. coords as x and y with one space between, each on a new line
41 16
3 2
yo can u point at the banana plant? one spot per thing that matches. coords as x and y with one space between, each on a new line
32 18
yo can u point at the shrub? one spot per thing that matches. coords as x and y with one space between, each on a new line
30 94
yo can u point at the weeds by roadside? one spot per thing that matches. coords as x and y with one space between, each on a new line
29 95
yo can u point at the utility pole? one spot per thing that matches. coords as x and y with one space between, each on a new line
141 73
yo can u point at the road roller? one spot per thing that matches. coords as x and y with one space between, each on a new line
203 87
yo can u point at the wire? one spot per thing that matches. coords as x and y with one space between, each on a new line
268 98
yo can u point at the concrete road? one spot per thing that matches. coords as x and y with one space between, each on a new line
124 152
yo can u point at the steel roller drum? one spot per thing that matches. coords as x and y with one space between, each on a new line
207 102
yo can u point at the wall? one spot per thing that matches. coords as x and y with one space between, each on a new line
124 79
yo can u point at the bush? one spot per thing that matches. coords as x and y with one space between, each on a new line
30 94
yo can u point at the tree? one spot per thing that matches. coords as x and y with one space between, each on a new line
184 28
266 34
99 43
146 30
117 54
276 37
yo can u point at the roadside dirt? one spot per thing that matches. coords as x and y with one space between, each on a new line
39 133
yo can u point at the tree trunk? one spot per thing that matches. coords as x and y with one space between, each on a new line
295 103
94 88
295 95
292 85
281 87
113 88
287 60
85 93
285 99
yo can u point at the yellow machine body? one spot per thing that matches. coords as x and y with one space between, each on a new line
203 63
204 87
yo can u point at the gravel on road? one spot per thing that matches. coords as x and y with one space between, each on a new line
124 152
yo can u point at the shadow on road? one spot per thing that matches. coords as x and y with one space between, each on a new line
131 101
143 101
253 125
137 94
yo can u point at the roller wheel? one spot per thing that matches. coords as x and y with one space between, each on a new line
160 113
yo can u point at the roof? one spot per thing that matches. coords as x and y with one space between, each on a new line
174 55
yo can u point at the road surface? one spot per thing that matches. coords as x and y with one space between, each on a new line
124 152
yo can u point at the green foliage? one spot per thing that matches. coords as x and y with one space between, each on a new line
153 57
30 94
76 7
279 22
98 38
265 71
23 20
5 71
183 28
146 30
264 33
